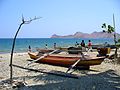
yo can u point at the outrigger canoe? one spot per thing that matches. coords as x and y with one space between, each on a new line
68 60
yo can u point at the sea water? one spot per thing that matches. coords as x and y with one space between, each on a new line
22 44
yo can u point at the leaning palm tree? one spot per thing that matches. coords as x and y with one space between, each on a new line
111 29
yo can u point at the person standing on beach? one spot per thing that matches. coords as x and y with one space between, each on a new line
83 45
54 45
46 46
89 45
76 44
29 48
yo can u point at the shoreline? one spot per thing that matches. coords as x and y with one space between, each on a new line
94 46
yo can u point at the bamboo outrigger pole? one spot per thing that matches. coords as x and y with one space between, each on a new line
56 73
42 57
74 64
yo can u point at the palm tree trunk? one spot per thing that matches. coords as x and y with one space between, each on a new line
115 37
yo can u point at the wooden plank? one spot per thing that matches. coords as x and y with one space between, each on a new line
56 73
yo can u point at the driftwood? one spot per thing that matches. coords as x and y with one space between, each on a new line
56 73
14 41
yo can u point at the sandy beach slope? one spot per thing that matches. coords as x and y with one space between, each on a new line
100 77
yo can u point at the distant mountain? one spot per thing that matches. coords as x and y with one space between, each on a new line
86 35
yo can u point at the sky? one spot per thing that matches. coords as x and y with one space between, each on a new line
61 17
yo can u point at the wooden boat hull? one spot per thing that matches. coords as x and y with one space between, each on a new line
62 48
68 61
44 50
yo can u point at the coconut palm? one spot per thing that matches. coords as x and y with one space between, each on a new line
110 29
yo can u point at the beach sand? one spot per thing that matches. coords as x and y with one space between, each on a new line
100 77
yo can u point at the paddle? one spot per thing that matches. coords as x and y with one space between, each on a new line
73 65
42 57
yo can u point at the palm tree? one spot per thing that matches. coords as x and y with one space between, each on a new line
110 29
